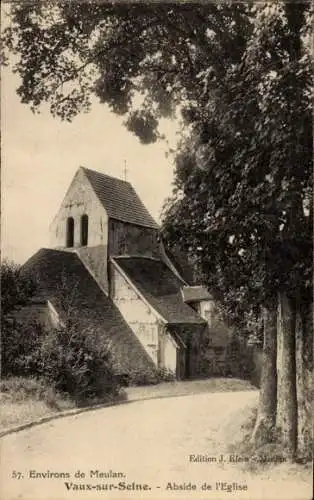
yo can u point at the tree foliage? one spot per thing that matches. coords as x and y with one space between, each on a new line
142 60
18 340
240 75
244 175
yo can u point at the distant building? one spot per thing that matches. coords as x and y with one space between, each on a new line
107 257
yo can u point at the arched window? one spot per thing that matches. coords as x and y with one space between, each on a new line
84 230
70 232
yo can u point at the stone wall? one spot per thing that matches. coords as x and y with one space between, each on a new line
168 351
217 354
136 313
220 333
80 199
189 358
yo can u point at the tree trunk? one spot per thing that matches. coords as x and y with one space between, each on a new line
286 375
304 344
266 416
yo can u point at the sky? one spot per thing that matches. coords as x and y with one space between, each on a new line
40 155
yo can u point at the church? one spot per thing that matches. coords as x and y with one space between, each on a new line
107 259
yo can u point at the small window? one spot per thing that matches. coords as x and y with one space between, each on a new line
70 232
84 230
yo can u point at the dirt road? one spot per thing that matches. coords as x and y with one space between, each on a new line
161 448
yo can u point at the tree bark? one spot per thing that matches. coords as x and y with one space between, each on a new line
304 361
286 375
266 416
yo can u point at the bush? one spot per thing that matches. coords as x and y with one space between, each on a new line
17 287
19 347
166 375
19 339
71 360
151 377
143 377
77 362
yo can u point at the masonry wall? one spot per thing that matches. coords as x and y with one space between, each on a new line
128 239
206 309
225 354
189 358
167 350
80 199
136 313
216 358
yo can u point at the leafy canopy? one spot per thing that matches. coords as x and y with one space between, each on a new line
141 59
242 206
240 74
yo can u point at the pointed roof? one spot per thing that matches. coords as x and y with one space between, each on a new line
119 199
160 287
61 275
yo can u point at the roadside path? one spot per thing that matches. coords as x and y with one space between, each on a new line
146 442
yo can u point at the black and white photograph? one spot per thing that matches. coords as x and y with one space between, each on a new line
156 250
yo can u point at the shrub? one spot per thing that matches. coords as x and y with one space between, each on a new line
143 377
20 343
19 339
166 375
151 377
17 287
71 360
77 362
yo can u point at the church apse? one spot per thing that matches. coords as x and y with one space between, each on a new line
103 229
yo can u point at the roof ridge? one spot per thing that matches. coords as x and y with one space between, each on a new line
47 249
105 175
119 198
136 256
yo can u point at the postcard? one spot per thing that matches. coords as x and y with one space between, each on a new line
156 241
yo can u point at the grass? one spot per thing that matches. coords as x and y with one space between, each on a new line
24 399
188 387
259 457
269 459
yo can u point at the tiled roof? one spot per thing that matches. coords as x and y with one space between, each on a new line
195 293
61 274
160 287
119 199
